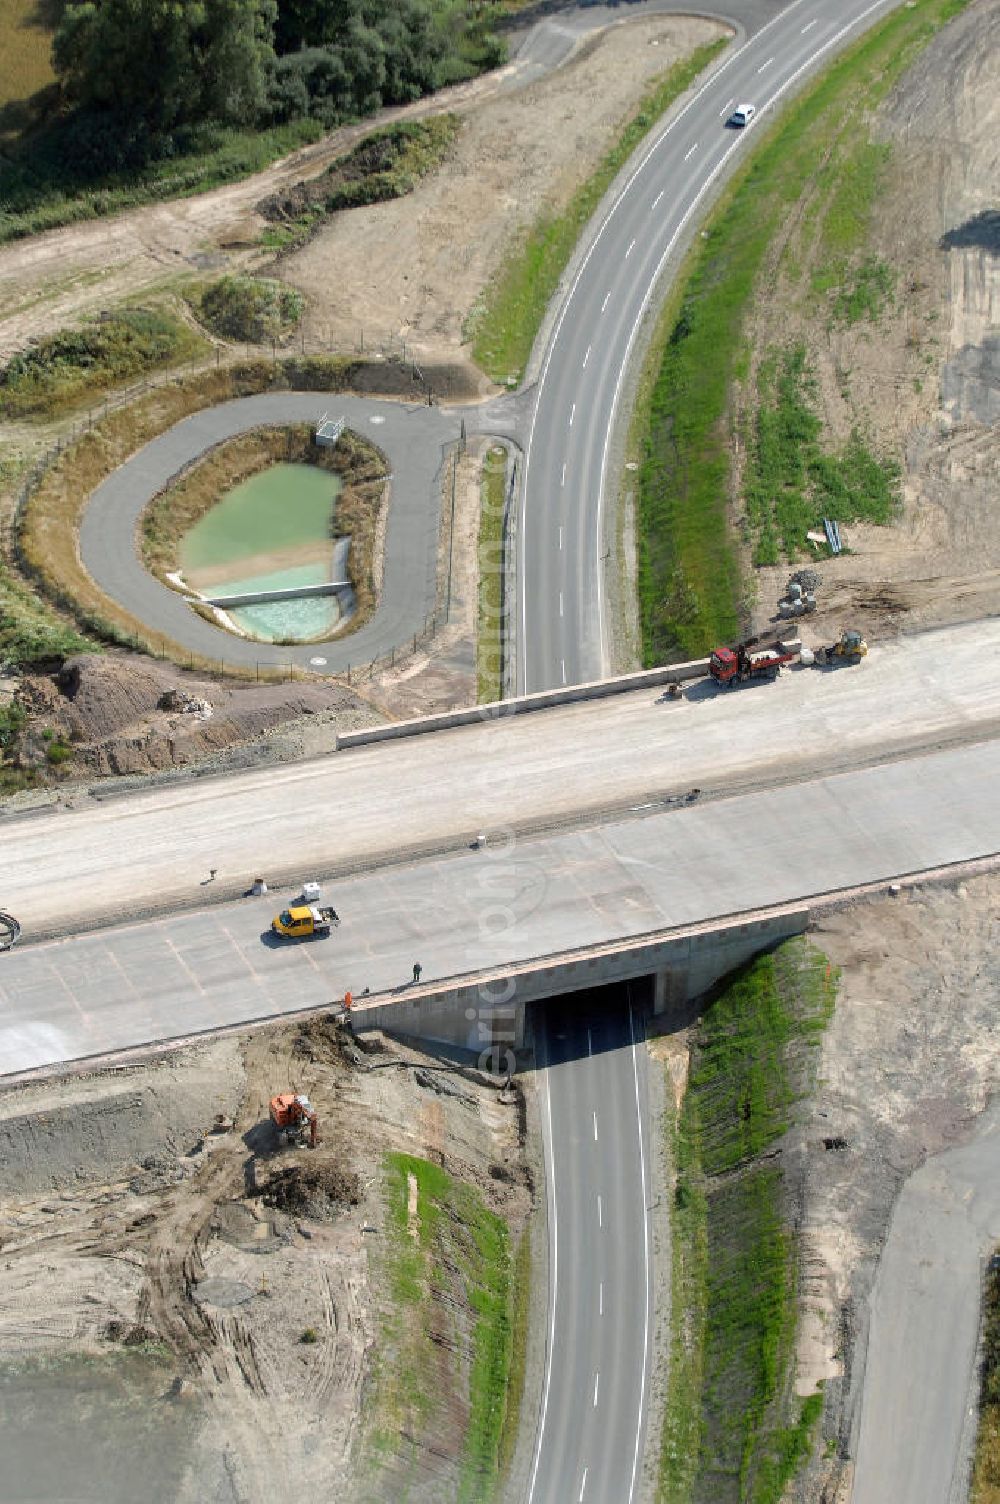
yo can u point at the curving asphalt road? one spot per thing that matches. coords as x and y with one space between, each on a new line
415 440
560 635
566 468
921 1381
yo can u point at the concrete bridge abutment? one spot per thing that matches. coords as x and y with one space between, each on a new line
486 1013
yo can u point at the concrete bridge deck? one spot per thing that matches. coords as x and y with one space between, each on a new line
612 894
110 857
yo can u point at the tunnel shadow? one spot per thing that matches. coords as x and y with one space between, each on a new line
981 232
590 1022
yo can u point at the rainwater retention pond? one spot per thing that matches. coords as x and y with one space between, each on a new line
272 532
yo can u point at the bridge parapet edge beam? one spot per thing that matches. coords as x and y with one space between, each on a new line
487 1012
600 689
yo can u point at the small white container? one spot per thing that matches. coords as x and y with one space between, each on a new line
310 892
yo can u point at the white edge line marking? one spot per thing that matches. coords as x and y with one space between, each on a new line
691 151
853 25
713 77
553 1281
554 338
645 1249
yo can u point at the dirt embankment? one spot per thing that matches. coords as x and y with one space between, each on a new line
907 1063
118 714
923 382
151 1210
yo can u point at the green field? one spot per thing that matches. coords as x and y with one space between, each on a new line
69 369
792 480
25 58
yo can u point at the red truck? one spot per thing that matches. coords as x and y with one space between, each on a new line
751 660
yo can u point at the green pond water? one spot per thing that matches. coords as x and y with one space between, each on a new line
283 507
286 506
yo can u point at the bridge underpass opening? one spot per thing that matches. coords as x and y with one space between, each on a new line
488 1013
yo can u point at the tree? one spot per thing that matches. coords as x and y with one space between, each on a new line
161 64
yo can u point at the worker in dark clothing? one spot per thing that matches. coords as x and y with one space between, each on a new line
417 969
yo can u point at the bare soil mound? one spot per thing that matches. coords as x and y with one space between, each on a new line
134 1124
264 1319
311 1190
123 715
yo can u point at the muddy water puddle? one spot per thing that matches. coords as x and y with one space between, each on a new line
80 1429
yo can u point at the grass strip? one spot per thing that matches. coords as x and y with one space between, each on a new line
446 1335
69 369
518 1352
986 1468
791 483
506 320
690 586
489 633
32 634
39 193
732 1434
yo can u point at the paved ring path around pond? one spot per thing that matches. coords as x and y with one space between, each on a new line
415 441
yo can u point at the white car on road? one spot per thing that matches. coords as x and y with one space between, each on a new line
742 115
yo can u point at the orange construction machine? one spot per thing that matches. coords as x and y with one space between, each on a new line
292 1115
